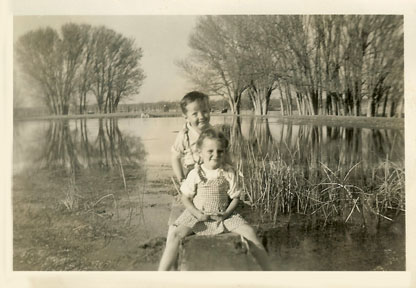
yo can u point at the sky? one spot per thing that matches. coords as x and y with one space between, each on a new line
163 38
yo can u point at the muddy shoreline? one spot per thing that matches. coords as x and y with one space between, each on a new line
117 234
123 233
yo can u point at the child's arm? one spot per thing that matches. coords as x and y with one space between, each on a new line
230 209
177 167
189 205
188 189
234 194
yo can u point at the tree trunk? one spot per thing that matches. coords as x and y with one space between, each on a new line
400 108
289 100
357 107
314 103
65 109
282 106
370 107
299 103
80 103
327 108
386 97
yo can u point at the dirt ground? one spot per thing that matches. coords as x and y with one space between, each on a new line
101 227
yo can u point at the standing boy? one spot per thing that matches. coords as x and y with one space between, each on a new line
196 111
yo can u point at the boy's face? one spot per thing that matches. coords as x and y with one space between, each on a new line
212 153
198 115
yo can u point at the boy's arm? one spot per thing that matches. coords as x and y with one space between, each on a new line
230 209
177 167
189 205
234 194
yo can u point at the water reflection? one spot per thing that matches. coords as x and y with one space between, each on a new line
59 149
321 171
102 143
89 168
310 145
72 146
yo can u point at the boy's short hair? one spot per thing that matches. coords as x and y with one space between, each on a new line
212 133
192 97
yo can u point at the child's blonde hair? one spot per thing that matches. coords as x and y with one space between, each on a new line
212 133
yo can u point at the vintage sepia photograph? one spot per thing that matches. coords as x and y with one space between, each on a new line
281 136
209 142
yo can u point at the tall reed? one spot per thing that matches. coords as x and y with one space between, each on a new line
276 186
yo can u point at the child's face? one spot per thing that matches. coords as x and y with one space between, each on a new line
212 153
198 114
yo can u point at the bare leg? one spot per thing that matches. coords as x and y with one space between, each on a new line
257 249
175 234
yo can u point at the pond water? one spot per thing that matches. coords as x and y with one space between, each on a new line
315 143
95 194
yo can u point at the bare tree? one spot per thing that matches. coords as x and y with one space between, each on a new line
74 40
53 61
333 62
38 53
261 73
116 68
298 68
79 61
128 75
214 65
85 70
384 65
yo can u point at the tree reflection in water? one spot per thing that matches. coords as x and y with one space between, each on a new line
75 149
78 194
96 169
314 169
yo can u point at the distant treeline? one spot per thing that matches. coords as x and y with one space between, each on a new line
170 107
161 106
322 64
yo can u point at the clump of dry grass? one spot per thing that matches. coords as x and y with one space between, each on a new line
389 187
275 187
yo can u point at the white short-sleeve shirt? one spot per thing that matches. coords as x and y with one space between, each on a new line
189 186
184 148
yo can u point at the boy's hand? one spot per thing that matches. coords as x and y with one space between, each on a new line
202 217
218 217
178 198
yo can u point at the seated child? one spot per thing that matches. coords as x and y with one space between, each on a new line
210 196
